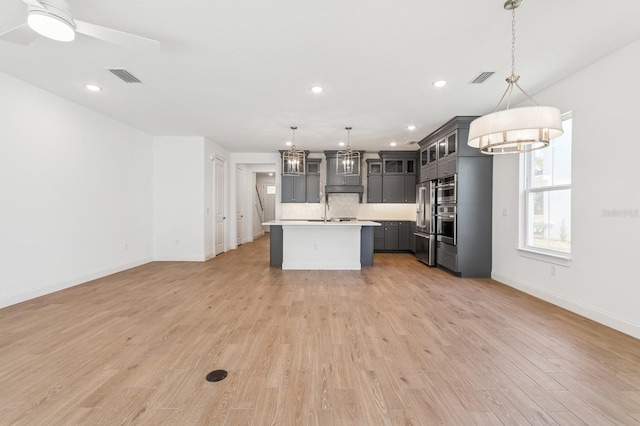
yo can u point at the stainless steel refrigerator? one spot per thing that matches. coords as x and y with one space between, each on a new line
425 234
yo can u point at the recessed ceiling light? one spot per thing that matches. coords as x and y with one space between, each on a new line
440 83
287 143
93 87
317 89
341 143
393 144
411 127
270 174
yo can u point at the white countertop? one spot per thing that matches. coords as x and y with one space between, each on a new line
321 223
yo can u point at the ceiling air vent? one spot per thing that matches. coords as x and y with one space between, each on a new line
411 143
124 75
482 77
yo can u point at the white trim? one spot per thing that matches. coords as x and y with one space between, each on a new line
598 315
31 293
190 258
549 257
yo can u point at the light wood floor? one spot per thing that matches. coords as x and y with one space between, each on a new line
398 343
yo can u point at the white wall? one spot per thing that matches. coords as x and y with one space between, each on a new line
183 197
178 198
601 281
75 193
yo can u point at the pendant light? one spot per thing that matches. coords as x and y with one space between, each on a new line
515 130
293 160
348 160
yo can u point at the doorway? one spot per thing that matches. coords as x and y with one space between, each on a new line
265 202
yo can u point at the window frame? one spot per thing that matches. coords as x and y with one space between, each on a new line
525 249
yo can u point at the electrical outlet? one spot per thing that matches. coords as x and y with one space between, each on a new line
126 246
505 212
177 242
553 271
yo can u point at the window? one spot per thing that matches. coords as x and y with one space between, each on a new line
547 196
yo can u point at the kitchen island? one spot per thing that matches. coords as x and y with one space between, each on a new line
319 245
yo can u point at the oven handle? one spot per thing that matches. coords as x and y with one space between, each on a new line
450 216
446 185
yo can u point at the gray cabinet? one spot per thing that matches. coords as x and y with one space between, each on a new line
393 189
333 178
447 154
429 161
394 236
378 238
313 180
391 235
412 237
294 189
399 189
374 181
404 236
399 177
374 189
471 256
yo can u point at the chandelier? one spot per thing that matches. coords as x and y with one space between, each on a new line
515 130
348 160
293 160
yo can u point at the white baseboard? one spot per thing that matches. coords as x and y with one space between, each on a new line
32 293
598 315
179 259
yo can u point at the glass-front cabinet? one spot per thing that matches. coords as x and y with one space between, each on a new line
399 166
448 145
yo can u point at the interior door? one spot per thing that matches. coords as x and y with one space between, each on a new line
219 207
240 196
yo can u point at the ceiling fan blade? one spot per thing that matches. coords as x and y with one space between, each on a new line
21 34
116 37
34 3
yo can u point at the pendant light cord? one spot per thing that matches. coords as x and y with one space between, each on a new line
513 41
513 78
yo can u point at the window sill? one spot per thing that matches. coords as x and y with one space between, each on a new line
544 256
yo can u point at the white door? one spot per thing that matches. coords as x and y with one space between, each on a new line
239 204
219 200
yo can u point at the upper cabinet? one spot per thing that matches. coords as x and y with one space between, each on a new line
334 178
374 181
302 188
393 177
313 180
440 150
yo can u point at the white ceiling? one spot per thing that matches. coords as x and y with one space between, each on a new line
239 72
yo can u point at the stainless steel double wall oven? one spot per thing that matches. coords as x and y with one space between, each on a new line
446 210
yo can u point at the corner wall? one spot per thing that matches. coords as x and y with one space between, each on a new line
75 194
601 281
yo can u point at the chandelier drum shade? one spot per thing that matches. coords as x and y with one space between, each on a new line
348 160
294 160
515 130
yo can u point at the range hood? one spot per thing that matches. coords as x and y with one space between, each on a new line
344 189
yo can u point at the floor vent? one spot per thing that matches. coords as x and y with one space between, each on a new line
124 75
482 77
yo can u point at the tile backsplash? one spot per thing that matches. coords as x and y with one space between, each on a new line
346 205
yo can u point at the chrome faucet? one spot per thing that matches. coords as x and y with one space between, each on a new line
326 207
